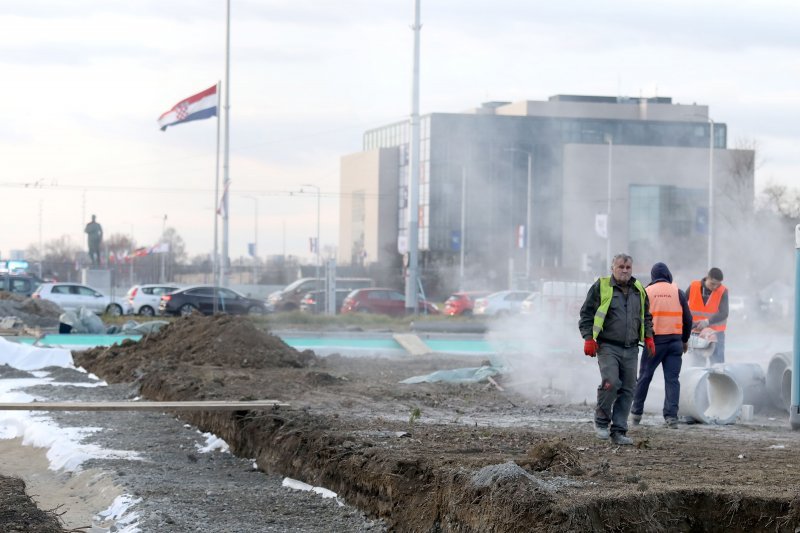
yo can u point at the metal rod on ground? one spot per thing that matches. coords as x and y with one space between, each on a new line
191 405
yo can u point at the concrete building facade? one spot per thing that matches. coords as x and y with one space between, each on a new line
524 188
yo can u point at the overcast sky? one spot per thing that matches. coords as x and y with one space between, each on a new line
84 82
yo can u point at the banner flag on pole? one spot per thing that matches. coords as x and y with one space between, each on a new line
196 107
601 225
221 206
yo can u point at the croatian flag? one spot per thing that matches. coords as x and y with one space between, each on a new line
199 106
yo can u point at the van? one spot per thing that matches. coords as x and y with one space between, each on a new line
289 298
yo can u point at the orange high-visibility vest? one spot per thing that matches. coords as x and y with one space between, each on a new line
665 306
704 311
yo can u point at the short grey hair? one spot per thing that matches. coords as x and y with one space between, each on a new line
624 257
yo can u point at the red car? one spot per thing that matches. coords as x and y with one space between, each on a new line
461 303
382 301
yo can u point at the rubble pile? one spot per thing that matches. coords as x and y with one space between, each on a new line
30 312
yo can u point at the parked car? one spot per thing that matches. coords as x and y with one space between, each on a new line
201 298
382 301
22 284
288 299
145 299
73 296
462 303
500 303
315 301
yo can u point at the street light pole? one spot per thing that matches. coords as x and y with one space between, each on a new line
528 211
255 238
710 193
317 243
610 141
163 276
463 226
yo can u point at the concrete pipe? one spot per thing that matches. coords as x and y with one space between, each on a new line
709 396
750 377
779 380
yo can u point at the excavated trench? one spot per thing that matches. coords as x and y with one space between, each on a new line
348 429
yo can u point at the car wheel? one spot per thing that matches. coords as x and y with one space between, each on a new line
186 309
114 310
467 312
146 310
255 310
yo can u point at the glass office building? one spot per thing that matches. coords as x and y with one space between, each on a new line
485 174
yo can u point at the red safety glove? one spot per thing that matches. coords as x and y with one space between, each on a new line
651 346
590 347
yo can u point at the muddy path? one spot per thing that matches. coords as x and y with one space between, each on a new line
448 457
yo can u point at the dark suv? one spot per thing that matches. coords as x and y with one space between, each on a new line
22 284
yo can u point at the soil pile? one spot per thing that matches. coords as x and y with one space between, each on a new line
33 312
18 512
223 341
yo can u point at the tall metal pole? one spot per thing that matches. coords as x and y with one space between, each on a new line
215 206
462 239
528 211
610 142
163 276
255 238
412 275
794 408
528 223
710 194
317 246
226 159
318 243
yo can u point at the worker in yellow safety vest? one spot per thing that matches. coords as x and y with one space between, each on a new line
614 319
708 301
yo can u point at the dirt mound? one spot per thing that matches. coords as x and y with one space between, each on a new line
19 513
32 311
222 341
554 456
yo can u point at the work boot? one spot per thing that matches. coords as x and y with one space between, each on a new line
621 440
636 419
671 422
601 432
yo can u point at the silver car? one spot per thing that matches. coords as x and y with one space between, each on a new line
73 296
145 299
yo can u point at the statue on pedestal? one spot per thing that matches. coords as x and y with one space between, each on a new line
94 233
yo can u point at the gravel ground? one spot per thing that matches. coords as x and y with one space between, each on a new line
182 489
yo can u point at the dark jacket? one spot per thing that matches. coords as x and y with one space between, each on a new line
660 274
722 314
623 320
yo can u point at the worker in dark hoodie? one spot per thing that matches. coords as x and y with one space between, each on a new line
672 326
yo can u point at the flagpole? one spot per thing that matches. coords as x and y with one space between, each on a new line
215 257
226 166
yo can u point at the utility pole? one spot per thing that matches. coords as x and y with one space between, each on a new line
412 274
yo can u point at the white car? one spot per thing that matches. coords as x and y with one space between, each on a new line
145 299
73 296
500 303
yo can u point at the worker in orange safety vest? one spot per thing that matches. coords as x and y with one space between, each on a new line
708 301
672 325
